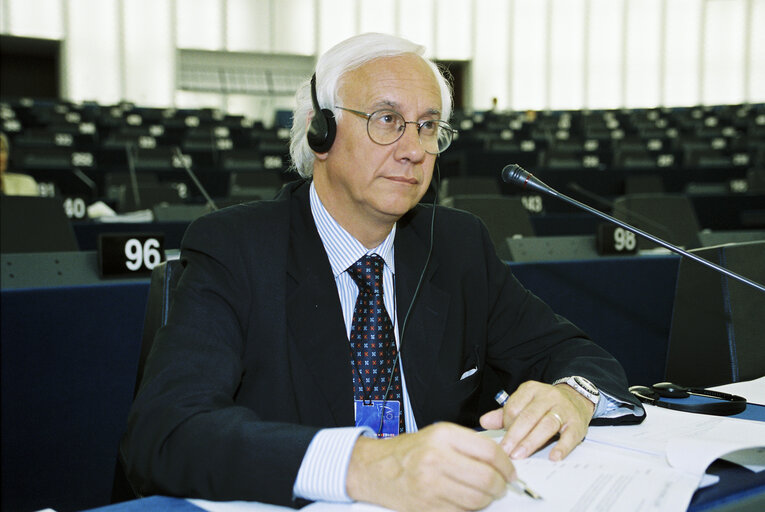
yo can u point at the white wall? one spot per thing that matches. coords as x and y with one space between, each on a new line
530 54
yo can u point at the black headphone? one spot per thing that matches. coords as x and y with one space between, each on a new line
321 131
724 404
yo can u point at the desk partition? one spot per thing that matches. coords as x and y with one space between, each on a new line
69 357
87 232
624 304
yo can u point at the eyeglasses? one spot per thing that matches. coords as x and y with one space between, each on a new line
387 126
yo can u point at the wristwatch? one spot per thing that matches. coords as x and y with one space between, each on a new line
582 386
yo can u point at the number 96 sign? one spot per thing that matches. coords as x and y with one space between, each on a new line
129 255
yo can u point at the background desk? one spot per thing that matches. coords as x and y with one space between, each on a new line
87 232
624 304
69 357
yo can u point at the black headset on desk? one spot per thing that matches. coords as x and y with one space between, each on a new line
725 404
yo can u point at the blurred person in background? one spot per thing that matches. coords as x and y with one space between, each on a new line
12 183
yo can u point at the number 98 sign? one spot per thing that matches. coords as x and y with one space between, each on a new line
613 239
624 240
129 255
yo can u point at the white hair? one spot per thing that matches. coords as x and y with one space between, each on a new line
332 65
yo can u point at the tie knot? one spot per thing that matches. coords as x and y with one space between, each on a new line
367 273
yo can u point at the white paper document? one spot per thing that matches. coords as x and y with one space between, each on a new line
655 466
592 478
752 390
237 506
688 441
651 467
597 477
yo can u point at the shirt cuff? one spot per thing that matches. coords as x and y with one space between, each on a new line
324 468
610 407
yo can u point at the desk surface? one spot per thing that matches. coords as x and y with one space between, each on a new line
739 489
744 492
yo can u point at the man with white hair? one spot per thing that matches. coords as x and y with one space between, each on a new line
336 343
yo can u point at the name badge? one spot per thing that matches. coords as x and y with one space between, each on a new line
375 413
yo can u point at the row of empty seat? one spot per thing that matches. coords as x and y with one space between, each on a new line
724 137
92 137
694 177
134 158
76 149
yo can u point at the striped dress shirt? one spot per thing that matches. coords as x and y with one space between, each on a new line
324 468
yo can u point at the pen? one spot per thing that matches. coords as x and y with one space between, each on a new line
518 484
501 397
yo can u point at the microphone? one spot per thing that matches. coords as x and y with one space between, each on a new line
177 153
517 175
133 177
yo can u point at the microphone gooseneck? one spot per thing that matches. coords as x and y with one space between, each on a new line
133 178
186 167
517 175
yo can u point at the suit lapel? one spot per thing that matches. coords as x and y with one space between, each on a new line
314 316
421 343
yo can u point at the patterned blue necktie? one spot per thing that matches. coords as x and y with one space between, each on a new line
373 343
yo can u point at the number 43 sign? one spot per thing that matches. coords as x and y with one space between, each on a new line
129 254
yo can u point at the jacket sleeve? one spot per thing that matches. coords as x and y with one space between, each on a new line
526 340
186 434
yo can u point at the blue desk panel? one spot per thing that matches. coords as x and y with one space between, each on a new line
150 504
737 486
69 359
624 304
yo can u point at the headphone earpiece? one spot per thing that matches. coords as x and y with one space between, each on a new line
322 129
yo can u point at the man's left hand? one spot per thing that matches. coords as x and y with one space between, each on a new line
535 413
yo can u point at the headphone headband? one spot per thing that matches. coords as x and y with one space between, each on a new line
725 404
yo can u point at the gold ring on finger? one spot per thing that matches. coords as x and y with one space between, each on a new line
557 417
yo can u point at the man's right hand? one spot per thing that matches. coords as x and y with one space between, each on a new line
444 467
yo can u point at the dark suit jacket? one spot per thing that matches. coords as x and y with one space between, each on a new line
254 358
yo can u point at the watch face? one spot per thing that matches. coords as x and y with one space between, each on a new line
587 385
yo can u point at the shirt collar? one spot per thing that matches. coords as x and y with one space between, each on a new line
343 250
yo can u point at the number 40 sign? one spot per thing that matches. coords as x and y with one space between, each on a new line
129 254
